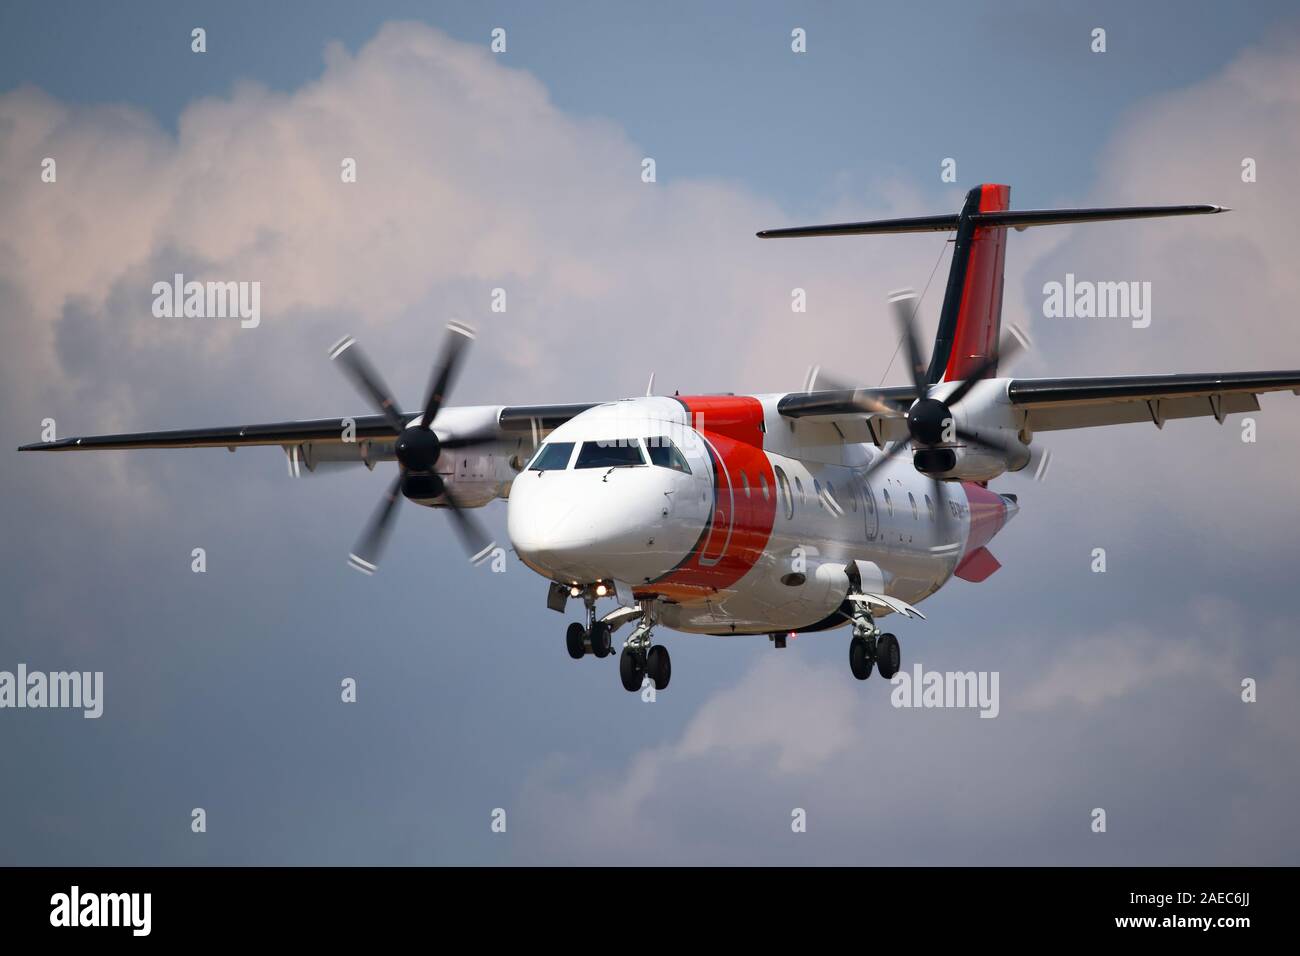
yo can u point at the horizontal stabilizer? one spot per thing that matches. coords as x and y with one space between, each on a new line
1015 218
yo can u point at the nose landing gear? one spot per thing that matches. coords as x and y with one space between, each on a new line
595 638
640 659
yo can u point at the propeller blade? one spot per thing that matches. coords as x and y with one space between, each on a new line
1012 343
365 556
473 438
366 380
867 401
904 303
893 451
444 374
992 444
478 543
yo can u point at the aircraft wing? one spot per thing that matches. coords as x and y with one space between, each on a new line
1058 403
511 421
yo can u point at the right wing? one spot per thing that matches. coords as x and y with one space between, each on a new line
510 419
1057 403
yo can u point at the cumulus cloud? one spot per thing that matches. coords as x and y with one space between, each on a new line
1123 721
1135 714
470 178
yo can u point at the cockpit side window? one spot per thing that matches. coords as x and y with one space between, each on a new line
553 456
612 453
665 454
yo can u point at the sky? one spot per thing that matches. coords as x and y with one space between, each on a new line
522 170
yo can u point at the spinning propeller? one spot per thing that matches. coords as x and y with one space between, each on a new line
418 448
930 421
931 426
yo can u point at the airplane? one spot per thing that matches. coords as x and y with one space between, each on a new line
731 515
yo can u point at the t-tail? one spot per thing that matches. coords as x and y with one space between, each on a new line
971 318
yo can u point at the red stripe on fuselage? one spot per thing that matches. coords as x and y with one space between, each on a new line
740 525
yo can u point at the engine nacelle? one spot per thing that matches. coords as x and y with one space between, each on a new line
971 462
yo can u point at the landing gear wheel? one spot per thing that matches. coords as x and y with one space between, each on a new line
659 666
888 655
601 645
575 640
631 670
860 659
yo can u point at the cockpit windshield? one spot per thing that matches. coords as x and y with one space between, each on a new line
619 453
553 456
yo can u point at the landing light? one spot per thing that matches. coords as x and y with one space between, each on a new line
601 590
574 591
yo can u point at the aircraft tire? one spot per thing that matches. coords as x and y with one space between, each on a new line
601 645
888 656
631 670
860 658
659 666
575 640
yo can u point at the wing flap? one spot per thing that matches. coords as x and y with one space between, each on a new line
1060 403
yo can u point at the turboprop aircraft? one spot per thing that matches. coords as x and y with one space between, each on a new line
749 514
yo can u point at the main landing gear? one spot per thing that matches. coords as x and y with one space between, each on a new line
870 648
641 657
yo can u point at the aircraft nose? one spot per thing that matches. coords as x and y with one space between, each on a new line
577 527
546 525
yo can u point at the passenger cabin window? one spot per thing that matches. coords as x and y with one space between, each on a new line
803 499
889 503
817 490
783 483
623 453
912 500
744 481
762 483
929 506
665 454
553 456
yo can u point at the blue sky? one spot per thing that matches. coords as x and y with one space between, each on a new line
710 89
222 689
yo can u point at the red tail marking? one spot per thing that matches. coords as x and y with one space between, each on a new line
980 315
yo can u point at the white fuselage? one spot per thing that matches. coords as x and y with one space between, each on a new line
751 528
